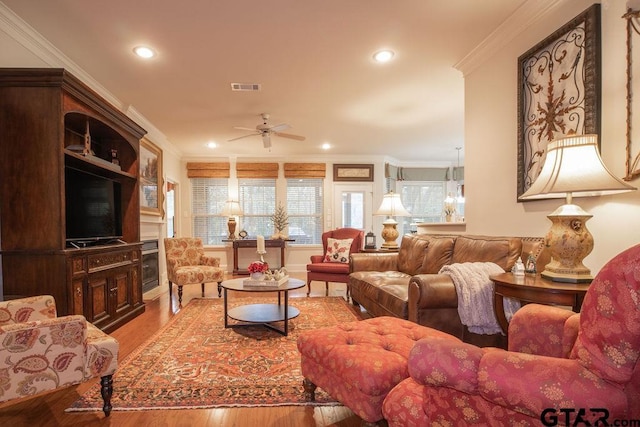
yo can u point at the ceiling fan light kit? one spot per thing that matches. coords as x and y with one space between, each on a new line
265 130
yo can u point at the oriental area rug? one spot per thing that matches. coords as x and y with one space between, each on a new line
193 362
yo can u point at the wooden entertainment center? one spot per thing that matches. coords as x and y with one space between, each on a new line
54 131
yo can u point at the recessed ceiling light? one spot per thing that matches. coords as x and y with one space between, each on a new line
326 146
384 55
144 52
211 144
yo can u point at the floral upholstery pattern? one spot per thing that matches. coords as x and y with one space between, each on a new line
40 351
556 359
338 250
358 363
188 265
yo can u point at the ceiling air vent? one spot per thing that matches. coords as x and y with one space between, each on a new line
245 87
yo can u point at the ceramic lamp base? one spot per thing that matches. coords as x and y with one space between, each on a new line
569 242
390 234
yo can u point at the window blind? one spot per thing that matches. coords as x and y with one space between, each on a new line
424 200
208 196
305 207
305 170
258 202
208 170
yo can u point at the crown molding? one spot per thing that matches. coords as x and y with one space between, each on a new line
529 13
20 31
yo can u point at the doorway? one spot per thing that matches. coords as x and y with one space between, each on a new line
352 206
172 190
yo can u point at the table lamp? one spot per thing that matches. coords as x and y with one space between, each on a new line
573 168
232 208
391 206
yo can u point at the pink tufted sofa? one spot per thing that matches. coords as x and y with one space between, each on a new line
359 362
413 375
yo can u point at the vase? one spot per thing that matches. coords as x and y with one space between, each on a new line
448 218
257 276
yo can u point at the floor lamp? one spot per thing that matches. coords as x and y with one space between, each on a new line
231 209
391 206
573 168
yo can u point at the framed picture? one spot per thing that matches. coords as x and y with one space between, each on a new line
558 91
353 172
151 189
632 161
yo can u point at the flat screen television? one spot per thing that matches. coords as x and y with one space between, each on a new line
93 208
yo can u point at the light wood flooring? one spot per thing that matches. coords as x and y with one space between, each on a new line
48 410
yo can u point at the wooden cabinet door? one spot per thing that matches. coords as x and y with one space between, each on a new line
120 291
97 311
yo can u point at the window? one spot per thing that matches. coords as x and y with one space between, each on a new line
208 198
258 202
304 207
425 201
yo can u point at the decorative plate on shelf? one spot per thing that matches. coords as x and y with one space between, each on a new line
243 234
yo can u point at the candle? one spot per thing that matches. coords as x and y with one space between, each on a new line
261 245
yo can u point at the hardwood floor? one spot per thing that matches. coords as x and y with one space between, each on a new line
48 410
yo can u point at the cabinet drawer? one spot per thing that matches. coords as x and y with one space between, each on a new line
113 259
78 265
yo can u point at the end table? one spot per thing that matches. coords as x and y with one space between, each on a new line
533 288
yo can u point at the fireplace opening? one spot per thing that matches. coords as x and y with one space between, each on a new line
150 268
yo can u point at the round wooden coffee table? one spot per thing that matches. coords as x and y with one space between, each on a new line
262 314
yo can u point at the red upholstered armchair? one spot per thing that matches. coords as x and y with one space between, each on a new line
560 366
333 265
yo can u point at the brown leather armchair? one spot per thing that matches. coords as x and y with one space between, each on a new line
327 272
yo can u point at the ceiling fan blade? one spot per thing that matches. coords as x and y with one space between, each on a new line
243 136
290 136
281 126
243 128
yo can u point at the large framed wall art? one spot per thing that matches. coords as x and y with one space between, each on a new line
151 194
558 91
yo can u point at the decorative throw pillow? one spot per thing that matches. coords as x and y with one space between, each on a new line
338 250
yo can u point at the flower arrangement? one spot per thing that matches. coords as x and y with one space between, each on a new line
258 267
449 205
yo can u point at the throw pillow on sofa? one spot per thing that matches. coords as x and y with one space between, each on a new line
338 250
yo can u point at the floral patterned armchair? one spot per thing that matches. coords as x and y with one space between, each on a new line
187 264
40 351
560 367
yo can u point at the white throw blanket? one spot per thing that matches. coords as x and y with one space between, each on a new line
475 295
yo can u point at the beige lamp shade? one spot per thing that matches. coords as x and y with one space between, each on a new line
231 208
391 206
573 167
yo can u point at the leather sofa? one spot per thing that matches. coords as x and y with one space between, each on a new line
406 284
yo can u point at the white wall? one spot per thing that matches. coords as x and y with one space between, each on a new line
491 140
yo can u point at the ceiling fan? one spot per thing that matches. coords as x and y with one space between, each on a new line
265 130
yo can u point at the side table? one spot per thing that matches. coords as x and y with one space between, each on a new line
253 243
533 288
